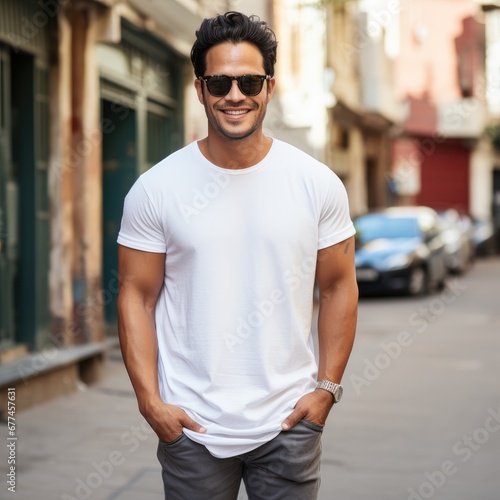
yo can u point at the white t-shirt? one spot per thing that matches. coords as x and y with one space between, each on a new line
233 318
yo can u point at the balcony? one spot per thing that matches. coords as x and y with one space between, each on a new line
464 118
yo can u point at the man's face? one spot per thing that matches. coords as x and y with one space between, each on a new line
235 115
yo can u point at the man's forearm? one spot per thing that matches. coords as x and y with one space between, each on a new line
336 330
139 347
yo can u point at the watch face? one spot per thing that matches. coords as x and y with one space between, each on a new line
335 389
339 390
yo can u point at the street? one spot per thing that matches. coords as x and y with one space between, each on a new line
420 417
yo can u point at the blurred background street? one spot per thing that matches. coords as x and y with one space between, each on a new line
421 419
400 98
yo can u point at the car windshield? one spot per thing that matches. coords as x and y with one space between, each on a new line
372 227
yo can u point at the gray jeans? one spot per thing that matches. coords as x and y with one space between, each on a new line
287 467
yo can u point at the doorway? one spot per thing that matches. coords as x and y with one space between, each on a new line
119 160
24 218
8 209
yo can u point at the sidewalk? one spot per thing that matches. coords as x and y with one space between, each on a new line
92 444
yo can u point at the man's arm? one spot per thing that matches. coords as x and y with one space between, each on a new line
338 302
141 277
338 308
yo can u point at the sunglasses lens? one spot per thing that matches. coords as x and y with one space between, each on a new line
219 85
251 84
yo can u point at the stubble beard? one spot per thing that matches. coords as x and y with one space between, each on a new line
225 132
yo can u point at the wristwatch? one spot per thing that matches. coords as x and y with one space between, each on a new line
335 389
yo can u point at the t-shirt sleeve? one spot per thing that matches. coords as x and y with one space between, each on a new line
335 223
141 227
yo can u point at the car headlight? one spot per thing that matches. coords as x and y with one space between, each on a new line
453 247
451 237
397 261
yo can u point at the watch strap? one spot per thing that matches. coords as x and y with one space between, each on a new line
333 388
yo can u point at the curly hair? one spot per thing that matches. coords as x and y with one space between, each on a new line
234 27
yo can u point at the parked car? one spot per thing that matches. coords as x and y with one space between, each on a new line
483 237
400 249
457 236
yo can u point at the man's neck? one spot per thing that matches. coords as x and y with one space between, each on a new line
235 154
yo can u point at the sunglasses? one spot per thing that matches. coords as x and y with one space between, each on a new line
220 85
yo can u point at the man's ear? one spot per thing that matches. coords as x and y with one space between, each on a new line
270 89
198 85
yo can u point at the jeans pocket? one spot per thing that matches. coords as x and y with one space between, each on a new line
175 441
312 425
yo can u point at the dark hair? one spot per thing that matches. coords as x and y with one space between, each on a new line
234 27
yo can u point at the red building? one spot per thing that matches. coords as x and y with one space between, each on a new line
440 76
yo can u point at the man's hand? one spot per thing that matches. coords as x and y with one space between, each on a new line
314 407
169 420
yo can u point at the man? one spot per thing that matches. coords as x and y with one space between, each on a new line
221 243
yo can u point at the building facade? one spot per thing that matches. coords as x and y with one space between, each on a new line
487 171
363 112
439 158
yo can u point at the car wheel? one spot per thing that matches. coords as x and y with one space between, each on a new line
417 283
441 284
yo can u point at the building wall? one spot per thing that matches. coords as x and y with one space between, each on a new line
77 290
24 148
427 62
301 96
482 163
492 87
360 48
343 52
486 159
440 78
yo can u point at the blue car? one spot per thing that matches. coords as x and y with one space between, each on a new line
400 250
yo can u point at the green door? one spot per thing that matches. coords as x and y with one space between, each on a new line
161 137
119 173
29 190
24 212
6 232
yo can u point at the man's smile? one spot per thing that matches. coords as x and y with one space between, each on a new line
235 111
